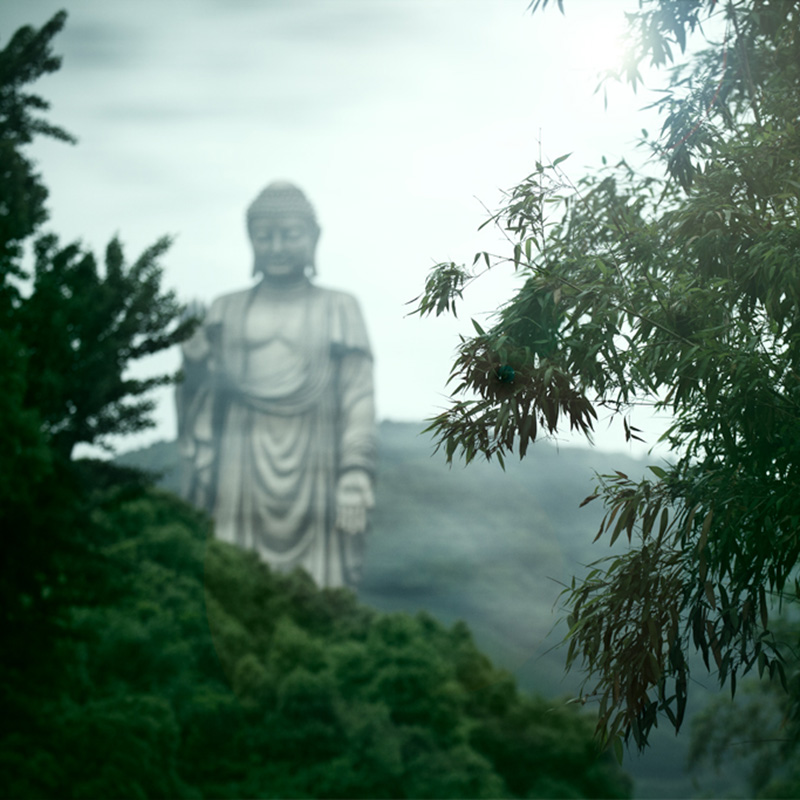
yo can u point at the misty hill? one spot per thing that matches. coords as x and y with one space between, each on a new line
489 547
474 543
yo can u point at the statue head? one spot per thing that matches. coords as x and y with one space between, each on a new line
283 230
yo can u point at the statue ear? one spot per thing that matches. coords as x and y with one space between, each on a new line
311 269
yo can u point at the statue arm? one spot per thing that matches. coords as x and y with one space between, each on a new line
356 397
195 408
357 445
354 493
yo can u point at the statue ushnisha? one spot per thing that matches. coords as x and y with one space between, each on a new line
276 418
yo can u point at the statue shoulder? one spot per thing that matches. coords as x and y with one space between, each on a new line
342 301
347 328
226 304
222 310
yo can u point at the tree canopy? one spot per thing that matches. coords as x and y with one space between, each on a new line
208 675
679 292
69 333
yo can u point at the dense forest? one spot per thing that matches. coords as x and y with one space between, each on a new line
203 674
493 548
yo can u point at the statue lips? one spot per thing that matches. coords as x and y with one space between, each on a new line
279 267
283 263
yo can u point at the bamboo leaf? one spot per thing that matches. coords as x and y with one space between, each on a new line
701 545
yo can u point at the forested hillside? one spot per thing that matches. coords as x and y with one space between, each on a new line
203 674
490 547
479 544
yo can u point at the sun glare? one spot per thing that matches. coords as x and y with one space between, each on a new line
598 44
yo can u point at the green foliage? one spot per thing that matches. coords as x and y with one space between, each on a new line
81 331
493 547
476 544
209 675
761 729
26 462
68 336
26 57
681 293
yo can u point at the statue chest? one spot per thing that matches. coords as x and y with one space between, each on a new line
278 343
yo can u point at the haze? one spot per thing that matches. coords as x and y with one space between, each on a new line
401 119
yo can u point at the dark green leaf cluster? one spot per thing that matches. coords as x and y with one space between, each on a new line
683 294
68 335
81 329
209 675
25 58
70 339
742 78
521 393
762 729
444 286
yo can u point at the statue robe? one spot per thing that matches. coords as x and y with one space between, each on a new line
283 406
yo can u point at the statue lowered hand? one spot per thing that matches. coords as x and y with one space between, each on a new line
354 498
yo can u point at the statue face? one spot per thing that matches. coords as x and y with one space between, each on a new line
283 246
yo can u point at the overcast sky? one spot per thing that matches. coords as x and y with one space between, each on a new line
401 120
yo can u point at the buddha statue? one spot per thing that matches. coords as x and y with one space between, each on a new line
276 416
